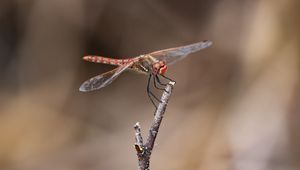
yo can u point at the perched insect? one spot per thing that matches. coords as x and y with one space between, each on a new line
154 64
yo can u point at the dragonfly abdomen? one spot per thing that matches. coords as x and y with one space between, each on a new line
106 60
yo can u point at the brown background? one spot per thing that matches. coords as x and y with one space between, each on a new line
235 105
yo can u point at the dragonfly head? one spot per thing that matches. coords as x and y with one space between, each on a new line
159 68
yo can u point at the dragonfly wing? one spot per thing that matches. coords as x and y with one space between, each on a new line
104 79
173 55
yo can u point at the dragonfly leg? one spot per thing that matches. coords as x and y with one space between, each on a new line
157 80
168 78
150 94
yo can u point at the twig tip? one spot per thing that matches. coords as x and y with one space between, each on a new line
172 83
137 125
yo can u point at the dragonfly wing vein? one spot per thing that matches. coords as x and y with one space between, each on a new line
104 79
173 55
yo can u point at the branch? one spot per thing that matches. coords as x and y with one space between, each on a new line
144 150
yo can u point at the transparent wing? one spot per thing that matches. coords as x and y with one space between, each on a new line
173 55
104 79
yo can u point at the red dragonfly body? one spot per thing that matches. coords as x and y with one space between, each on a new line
154 63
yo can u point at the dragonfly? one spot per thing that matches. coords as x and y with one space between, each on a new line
154 64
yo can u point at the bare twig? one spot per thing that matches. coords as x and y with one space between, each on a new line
138 137
144 150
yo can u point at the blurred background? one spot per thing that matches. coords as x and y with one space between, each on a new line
235 105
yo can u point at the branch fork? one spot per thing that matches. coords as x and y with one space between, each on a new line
144 150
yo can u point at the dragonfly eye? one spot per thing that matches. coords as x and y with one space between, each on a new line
159 67
163 69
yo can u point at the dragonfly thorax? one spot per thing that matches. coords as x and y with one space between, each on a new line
159 68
